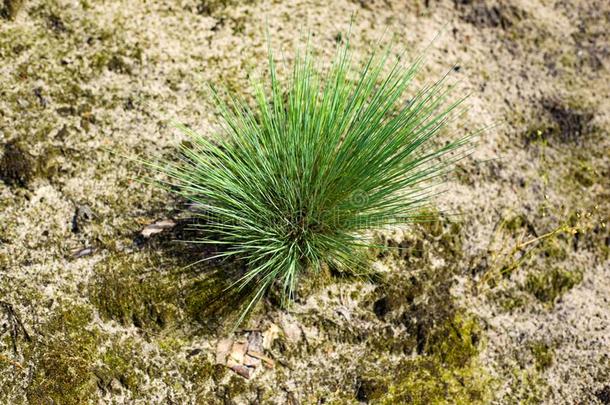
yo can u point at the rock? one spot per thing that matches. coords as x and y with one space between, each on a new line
255 341
238 351
292 330
222 350
270 335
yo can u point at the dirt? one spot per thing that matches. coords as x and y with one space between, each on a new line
505 298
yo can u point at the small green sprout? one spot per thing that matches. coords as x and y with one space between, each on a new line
294 181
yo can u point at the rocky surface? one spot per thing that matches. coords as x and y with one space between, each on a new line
504 299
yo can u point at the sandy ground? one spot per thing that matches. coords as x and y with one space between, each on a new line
506 302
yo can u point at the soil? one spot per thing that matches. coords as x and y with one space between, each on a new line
505 298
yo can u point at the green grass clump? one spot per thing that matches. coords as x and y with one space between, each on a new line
293 182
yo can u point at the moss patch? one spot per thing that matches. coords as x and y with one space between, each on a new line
130 290
420 304
121 362
447 370
482 15
543 354
63 360
509 299
211 7
547 286
527 386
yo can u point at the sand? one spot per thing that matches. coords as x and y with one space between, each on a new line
504 300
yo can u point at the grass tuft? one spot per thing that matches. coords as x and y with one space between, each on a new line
294 180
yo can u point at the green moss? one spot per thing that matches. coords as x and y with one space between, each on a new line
542 353
447 370
549 285
555 248
120 361
508 299
200 371
516 223
170 344
585 174
426 381
63 360
313 282
236 386
130 290
563 122
207 302
446 340
455 342
436 236
526 387
444 234
419 300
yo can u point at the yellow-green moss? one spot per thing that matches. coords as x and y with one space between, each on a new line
527 387
542 353
517 222
209 7
508 299
121 361
426 381
585 174
548 285
436 237
555 248
130 290
63 357
445 338
448 370
211 302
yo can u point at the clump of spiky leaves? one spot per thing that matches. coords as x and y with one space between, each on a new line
294 181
